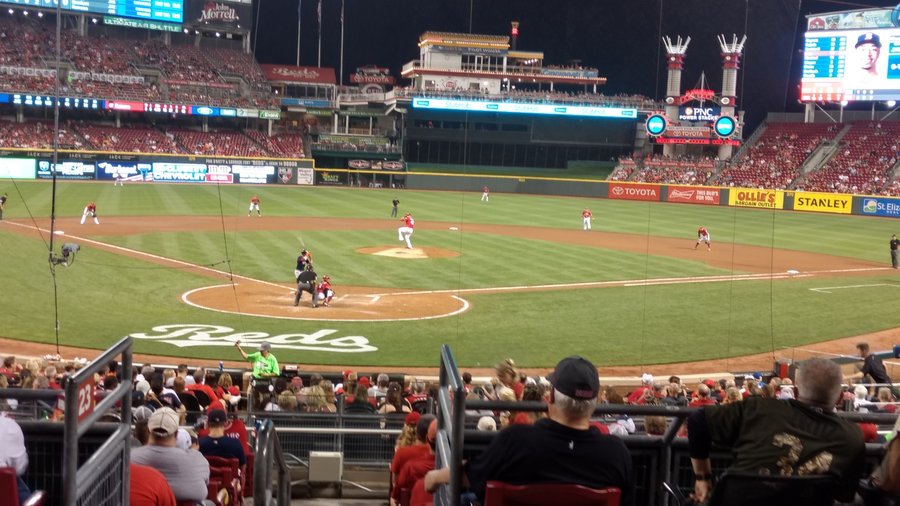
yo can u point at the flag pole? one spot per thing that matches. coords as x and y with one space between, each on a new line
299 12
319 64
341 82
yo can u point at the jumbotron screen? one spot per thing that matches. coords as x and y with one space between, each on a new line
853 56
171 11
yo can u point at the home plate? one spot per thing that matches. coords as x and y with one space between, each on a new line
454 228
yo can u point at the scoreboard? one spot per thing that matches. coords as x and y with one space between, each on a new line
851 65
170 11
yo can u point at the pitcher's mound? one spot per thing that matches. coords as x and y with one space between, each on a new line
404 252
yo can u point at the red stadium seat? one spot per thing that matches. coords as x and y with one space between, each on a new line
9 489
503 494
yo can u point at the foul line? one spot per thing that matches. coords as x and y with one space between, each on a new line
825 289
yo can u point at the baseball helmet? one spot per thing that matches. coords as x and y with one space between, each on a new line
326 278
303 252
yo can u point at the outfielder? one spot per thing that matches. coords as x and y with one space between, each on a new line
406 231
254 206
485 194
325 293
587 218
703 236
91 209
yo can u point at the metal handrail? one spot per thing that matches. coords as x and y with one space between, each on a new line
451 421
269 453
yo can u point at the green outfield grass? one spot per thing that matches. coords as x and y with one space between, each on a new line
105 296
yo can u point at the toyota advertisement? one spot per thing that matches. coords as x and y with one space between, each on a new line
648 192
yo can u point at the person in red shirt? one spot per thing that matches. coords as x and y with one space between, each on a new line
703 397
703 236
254 205
587 218
149 488
91 209
406 231
485 194
200 384
324 291
416 468
407 453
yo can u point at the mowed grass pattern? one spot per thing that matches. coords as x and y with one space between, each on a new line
105 296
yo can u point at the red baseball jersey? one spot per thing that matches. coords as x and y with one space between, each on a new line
254 200
702 231
586 214
92 207
409 221
485 189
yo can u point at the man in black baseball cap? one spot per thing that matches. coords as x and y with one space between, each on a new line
562 448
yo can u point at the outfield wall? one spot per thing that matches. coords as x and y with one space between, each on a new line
82 165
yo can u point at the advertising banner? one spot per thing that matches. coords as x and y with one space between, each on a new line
767 199
256 174
179 172
693 195
130 171
876 206
218 173
697 113
227 15
294 74
332 178
65 170
306 176
823 202
634 192
17 168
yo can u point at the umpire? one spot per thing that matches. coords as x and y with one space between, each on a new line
306 282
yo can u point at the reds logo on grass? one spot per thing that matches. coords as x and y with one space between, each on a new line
192 335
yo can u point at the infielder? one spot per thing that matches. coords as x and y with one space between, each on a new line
586 218
254 206
703 236
406 231
325 293
91 209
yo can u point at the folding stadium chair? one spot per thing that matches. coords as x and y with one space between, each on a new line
499 493
739 489
229 471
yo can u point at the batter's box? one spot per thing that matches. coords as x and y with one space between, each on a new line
359 298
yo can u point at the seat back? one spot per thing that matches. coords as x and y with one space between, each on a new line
191 406
737 489
202 398
499 493
9 485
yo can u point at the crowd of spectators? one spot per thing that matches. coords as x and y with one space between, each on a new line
865 157
775 159
37 135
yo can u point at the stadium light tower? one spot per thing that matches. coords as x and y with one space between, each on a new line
731 62
675 52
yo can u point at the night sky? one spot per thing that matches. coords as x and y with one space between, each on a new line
620 38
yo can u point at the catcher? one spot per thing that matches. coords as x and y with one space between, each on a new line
324 291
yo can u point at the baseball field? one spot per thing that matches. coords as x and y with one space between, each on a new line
184 270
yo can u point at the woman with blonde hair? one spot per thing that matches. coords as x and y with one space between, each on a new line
508 387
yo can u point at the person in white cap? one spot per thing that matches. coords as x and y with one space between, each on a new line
187 471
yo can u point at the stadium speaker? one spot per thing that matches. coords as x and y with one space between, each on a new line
725 101
670 100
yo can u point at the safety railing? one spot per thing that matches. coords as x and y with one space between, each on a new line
268 456
104 477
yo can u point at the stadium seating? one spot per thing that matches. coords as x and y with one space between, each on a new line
221 143
37 135
133 138
774 160
862 163
284 145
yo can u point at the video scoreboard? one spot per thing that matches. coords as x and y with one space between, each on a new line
170 11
